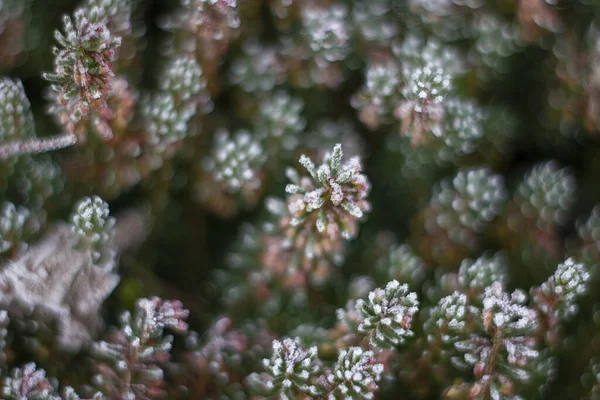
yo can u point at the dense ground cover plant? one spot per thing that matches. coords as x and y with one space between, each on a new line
299 199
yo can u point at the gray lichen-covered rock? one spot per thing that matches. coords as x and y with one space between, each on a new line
58 281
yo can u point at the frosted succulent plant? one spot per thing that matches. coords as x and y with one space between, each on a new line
183 79
447 321
16 119
379 95
139 349
166 113
322 212
117 12
207 25
421 111
375 20
462 128
496 40
290 370
327 32
387 315
355 375
497 341
416 51
557 297
17 226
279 124
237 161
220 11
28 383
165 121
332 198
466 203
83 74
507 313
17 129
476 275
258 68
547 193
92 223
403 265
472 277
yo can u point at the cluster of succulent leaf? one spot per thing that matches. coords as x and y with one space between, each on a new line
345 199
292 370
